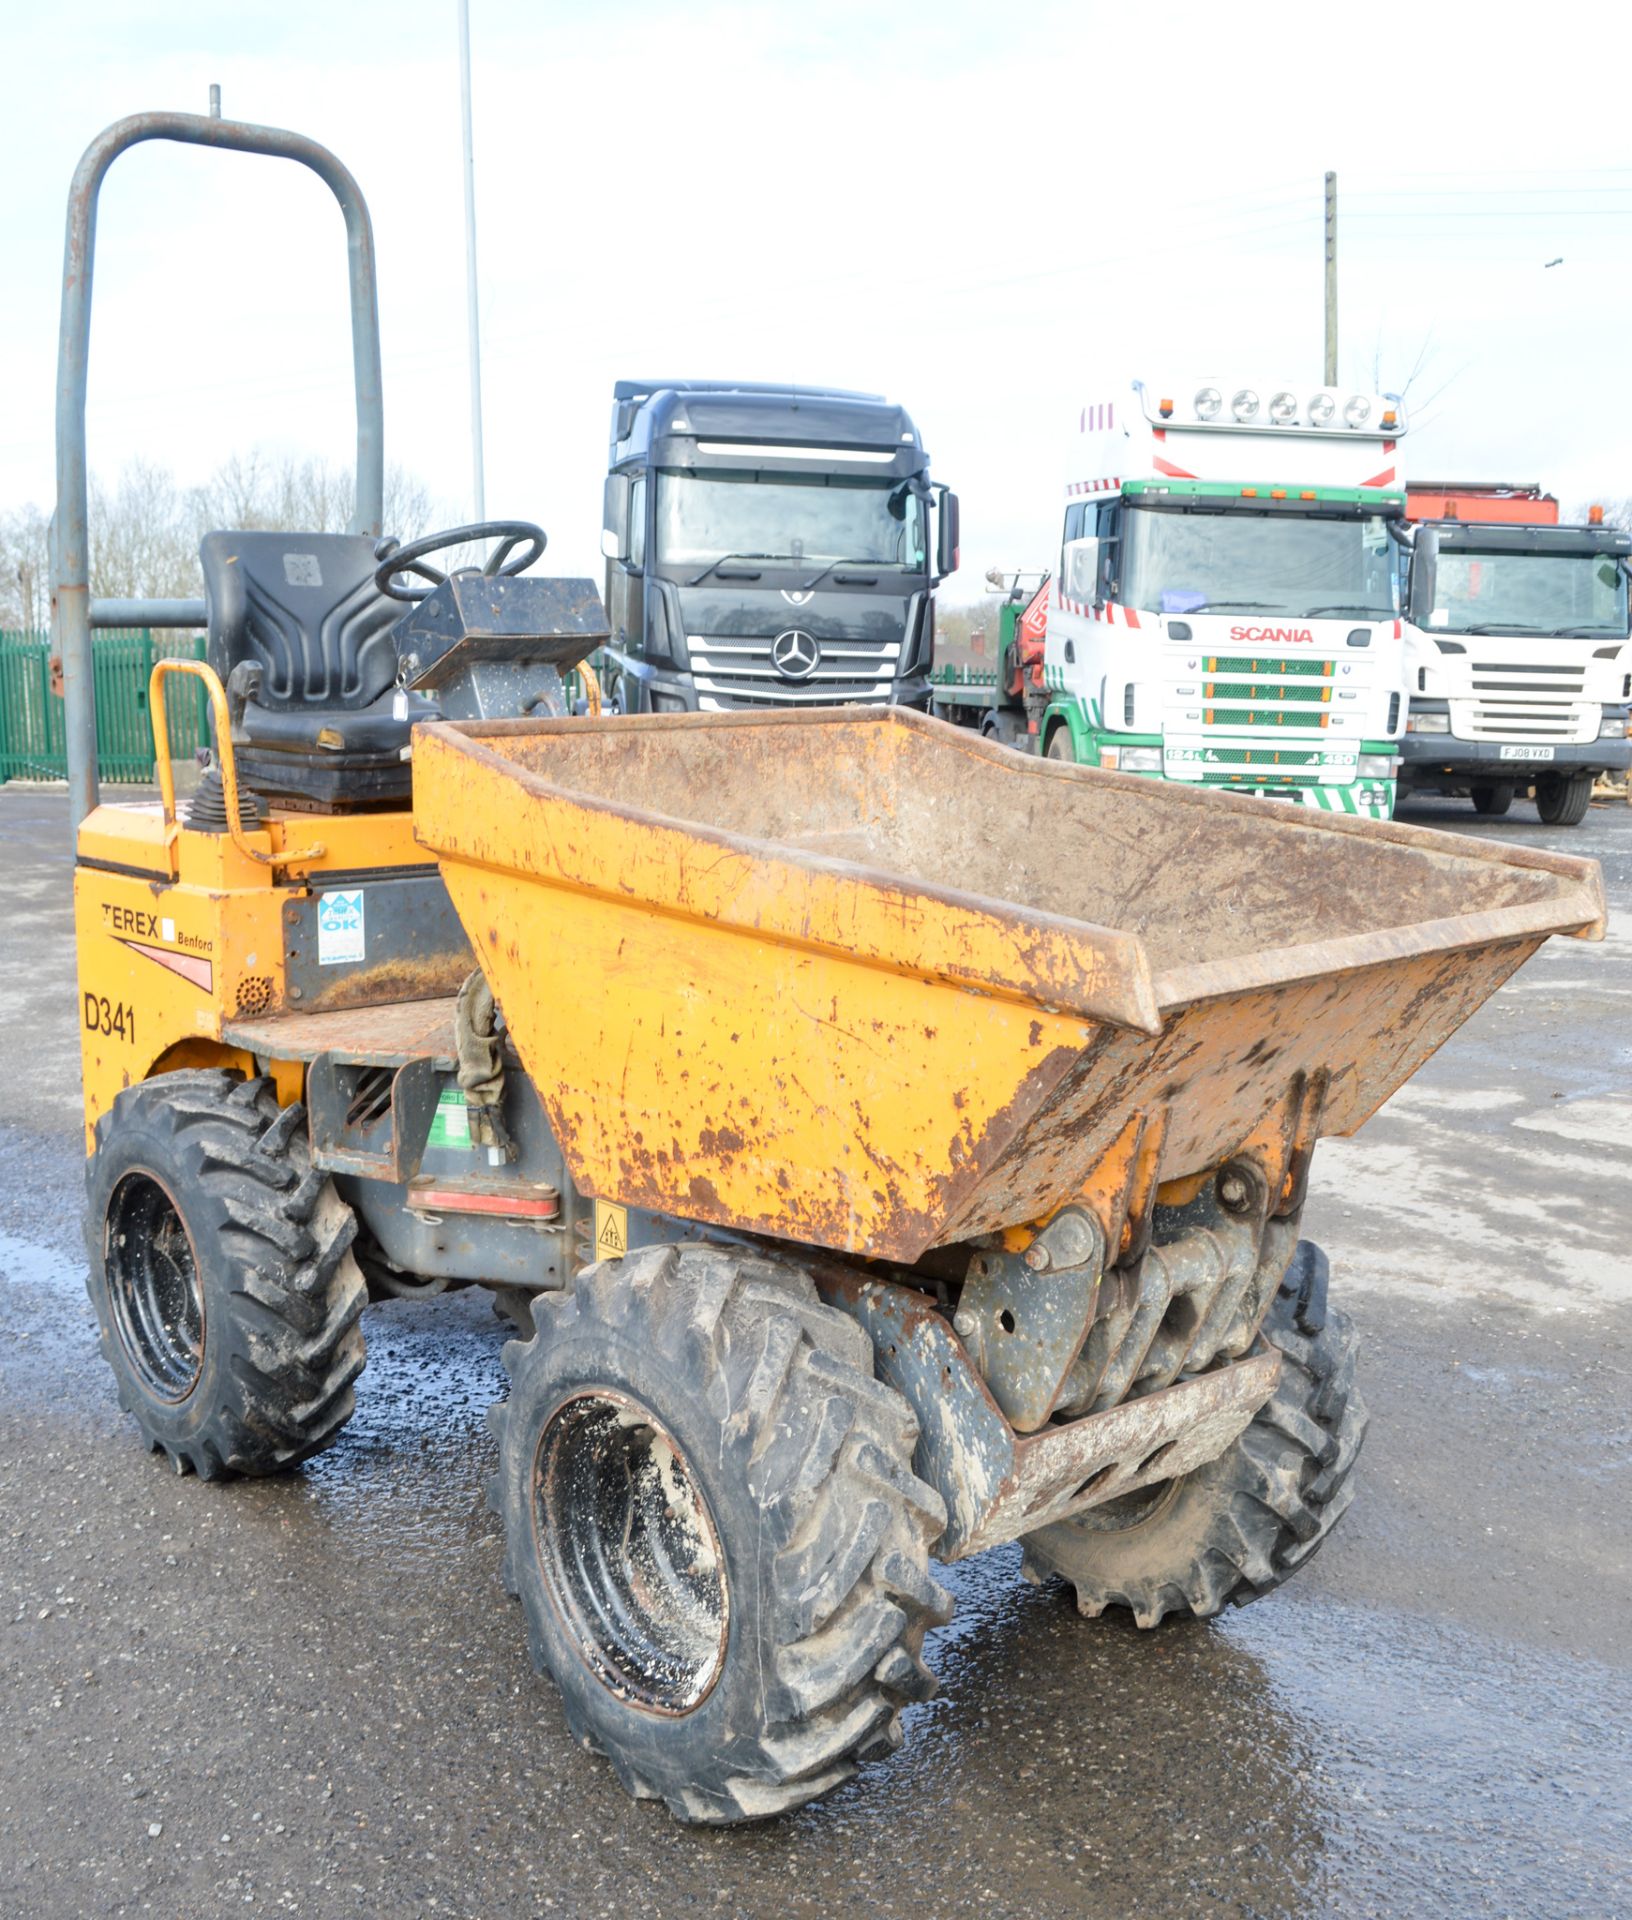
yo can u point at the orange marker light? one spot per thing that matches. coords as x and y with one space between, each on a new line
1249 493
1307 494
1390 417
1166 409
1277 493
1595 516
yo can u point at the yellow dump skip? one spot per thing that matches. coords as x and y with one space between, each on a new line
861 980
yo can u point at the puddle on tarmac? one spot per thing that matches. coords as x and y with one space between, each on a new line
23 1264
409 1472
1301 1756
1304 1756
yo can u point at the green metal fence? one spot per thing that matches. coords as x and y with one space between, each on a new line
32 745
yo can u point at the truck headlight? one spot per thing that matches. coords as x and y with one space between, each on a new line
1358 410
1612 728
1245 404
1141 759
1427 722
1283 407
1208 402
1320 409
1376 766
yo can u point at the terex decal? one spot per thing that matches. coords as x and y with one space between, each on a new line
193 968
1291 636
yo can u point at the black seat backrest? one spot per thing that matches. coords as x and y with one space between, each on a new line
303 606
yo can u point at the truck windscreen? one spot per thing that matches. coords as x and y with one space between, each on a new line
803 519
1537 593
1244 562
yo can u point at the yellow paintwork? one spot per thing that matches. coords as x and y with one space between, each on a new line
198 901
761 1044
751 1082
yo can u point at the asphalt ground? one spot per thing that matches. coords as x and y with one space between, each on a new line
311 1695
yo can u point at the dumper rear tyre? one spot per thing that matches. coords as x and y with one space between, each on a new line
1240 1525
221 1271
714 1529
1562 801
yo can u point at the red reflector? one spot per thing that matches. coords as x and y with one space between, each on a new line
523 1206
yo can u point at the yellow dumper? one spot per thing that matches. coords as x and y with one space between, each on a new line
887 1145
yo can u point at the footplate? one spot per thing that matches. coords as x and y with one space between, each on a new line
999 1484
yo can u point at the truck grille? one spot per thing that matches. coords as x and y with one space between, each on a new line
1264 767
1271 692
1515 700
739 672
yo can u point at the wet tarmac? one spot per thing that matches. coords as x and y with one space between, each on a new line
311 1695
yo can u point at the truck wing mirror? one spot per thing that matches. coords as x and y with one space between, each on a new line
1419 597
946 539
1082 572
615 517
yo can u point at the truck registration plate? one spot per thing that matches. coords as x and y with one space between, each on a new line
1527 753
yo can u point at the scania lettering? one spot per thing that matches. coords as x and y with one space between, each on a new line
1518 650
769 547
1226 608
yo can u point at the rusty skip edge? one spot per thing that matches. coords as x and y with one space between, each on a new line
1067 965
781 892
998 1484
1178 793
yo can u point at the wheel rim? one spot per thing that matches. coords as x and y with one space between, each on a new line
153 1284
629 1552
1128 1510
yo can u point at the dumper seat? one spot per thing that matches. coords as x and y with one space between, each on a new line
316 714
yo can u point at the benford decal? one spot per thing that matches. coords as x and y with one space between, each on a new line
1293 636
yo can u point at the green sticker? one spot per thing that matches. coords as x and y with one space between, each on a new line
450 1124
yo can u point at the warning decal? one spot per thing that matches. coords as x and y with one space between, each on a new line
611 1230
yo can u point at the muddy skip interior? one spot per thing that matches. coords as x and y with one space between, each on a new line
904 796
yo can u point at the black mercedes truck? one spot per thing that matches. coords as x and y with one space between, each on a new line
769 546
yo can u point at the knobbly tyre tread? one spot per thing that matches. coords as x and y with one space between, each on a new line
820 1454
1242 1524
273 1239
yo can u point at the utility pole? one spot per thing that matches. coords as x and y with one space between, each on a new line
473 324
1331 279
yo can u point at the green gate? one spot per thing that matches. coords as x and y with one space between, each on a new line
32 745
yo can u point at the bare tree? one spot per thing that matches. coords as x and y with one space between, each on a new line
956 627
25 571
1419 373
141 536
309 495
145 529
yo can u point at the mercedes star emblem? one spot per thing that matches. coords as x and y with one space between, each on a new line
795 655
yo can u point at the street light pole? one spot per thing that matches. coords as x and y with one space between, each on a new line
473 322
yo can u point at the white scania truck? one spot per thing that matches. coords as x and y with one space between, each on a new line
1226 608
1519 650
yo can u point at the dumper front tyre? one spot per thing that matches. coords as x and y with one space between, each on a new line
221 1271
1240 1525
713 1526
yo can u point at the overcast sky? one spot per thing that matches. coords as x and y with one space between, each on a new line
987 212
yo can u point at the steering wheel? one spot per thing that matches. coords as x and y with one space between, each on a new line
510 534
